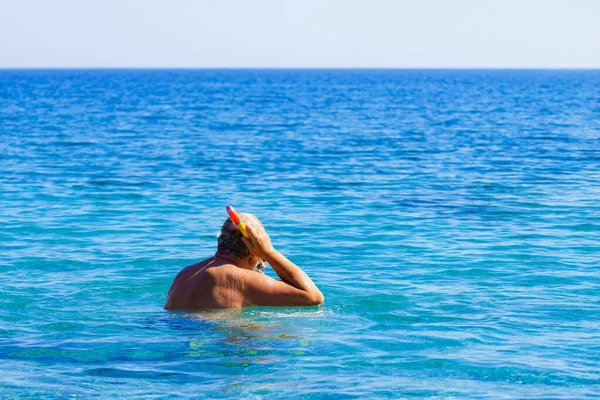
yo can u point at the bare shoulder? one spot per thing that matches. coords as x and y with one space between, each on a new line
231 275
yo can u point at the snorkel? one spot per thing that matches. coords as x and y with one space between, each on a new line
235 218
237 221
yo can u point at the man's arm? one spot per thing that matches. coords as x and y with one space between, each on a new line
295 287
262 290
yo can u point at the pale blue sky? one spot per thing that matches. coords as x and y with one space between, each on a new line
300 33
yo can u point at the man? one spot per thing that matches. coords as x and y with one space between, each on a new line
230 279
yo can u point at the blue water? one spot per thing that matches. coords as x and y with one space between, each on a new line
451 219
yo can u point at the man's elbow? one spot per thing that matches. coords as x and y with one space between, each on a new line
316 298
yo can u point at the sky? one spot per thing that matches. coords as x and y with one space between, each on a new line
300 33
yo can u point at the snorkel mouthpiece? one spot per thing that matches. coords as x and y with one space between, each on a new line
237 221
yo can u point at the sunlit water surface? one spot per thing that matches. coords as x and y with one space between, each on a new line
451 219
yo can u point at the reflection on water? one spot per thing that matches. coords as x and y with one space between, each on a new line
241 339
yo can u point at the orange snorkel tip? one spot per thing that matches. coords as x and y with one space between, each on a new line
233 215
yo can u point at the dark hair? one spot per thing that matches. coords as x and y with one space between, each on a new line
230 240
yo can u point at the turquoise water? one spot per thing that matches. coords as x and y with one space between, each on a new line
451 219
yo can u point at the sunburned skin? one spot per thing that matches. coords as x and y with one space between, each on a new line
226 281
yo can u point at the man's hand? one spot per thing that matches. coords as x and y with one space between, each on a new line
259 243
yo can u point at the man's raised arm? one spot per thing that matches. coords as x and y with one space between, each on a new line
296 287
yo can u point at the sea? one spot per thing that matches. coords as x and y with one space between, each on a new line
451 219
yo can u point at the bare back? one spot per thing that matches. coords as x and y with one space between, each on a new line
204 286
217 284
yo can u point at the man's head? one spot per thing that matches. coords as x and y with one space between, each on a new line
230 239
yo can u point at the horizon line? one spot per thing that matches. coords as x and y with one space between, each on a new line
165 68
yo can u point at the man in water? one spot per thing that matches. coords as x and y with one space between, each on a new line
231 279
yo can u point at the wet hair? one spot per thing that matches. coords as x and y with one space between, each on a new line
230 239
